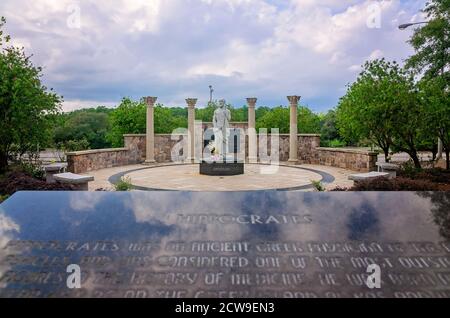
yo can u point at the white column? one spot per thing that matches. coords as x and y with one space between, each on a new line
150 139
293 141
440 149
252 136
191 128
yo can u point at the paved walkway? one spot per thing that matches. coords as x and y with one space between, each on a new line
187 177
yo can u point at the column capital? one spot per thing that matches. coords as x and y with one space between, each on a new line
191 102
150 101
293 100
251 101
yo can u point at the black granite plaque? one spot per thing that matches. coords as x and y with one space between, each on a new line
238 244
221 168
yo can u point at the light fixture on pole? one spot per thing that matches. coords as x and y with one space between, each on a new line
407 25
211 90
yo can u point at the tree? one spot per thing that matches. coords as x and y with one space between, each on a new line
431 60
261 111
27 107
277 117
130 118
166 122
206 114
436 109
431 43
364 112
407 118
382 106
3 38
90 125
328 129
308 122
239 114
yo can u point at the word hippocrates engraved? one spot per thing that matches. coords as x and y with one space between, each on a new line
243 219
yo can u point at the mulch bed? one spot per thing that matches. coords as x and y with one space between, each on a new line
18 181
436 179
435 175
397 184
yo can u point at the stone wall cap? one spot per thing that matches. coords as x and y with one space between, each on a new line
367 176
231 122
55 167
349 150
388 166
72 178
94 151
298 135
144 135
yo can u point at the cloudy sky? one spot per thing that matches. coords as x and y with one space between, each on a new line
94 52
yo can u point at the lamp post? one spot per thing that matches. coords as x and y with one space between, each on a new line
404 27
211 91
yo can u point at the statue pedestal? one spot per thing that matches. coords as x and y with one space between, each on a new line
222 167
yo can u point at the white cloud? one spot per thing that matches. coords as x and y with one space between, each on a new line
354 68
377 54
175 49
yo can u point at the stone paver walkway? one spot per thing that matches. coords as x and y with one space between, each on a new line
187 177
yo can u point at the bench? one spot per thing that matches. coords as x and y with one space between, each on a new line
80 182
52 169
389 168
368 176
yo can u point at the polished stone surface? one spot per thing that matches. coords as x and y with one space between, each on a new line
234 244
256 177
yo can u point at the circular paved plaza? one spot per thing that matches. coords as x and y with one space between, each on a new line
256 177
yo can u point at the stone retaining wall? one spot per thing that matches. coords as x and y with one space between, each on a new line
309 152
90 160
352 159
163 145
307 144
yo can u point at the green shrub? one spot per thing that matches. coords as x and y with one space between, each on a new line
124 184
32 170
336 143
408 170
318 185
73 145
3 197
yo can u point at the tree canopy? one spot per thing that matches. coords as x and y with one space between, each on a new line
130 118
431 43
27 107
279 117
431 63
90 125
382 106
